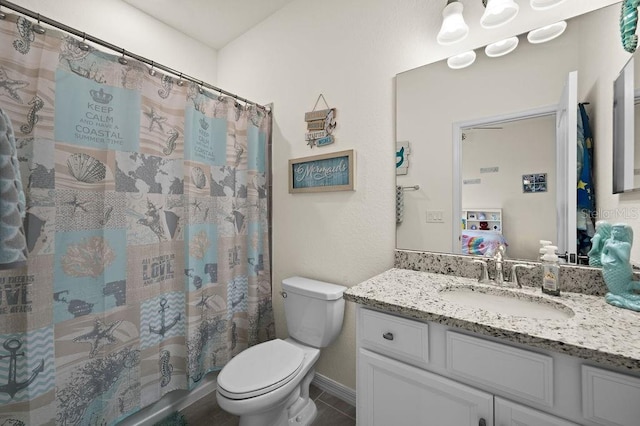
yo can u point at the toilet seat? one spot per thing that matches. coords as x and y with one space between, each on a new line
260 369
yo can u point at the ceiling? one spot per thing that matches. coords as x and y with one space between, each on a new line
213 22
217 22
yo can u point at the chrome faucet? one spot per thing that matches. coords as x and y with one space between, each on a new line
484 274
514 275
499 260
498 279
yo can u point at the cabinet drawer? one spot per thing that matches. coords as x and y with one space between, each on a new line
527 375
509 413
610 398
404 339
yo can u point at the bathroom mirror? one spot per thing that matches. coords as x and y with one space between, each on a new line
624 164
432 100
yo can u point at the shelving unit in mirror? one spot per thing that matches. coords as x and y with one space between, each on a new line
482 220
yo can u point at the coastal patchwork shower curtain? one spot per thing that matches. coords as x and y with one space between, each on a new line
146 232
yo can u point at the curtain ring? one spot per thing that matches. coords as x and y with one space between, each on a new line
200 88
152 72
83 45
2 15
180 82
37 28
122 59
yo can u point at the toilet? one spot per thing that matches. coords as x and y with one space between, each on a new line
268 384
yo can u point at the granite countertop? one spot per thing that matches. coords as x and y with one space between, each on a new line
597 331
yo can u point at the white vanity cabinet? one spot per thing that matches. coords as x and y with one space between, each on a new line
394 393
416 373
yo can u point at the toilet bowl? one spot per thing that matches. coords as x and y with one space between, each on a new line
262 401
268 384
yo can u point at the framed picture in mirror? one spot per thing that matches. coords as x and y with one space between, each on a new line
536 182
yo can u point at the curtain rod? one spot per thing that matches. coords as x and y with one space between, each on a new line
88 37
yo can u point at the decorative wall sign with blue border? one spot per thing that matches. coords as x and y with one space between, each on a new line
319 173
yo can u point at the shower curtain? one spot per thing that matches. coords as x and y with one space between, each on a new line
146 231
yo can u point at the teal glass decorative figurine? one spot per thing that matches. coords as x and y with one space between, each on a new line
628 24
617 271
603 232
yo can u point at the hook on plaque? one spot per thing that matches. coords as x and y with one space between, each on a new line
321 96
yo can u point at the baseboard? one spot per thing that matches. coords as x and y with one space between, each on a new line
175 401
334 388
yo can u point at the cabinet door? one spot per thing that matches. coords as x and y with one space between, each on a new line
511 414
394 393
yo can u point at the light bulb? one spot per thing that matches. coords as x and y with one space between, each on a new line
498 12
453 29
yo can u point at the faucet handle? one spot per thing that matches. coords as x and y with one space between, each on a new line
514 275
484 272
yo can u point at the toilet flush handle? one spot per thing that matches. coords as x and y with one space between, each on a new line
388 335
283 294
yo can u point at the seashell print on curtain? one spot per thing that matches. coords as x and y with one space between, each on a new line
146 228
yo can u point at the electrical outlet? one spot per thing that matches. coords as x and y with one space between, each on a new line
435 216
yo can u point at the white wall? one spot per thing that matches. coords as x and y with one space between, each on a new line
350 51
125 26
516 148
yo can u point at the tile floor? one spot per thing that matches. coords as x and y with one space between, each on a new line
332 411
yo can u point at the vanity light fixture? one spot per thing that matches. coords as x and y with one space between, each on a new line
453 29
498 12
462 60
502 47
544 4
546 33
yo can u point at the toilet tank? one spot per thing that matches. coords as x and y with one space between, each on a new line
314 310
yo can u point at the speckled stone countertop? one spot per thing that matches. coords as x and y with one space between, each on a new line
596 332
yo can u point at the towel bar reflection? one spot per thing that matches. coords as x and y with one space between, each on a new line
411 188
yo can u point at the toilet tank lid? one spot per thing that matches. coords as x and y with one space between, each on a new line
313 288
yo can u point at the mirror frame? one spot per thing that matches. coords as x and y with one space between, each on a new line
623 130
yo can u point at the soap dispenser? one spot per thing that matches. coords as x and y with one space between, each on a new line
550 271
543 245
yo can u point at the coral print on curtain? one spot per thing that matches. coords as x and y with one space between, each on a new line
146 233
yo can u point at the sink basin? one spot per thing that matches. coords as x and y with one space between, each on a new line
505 302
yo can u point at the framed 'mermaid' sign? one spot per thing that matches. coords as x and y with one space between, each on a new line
327 172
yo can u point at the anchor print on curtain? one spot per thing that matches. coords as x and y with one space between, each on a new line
146 229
